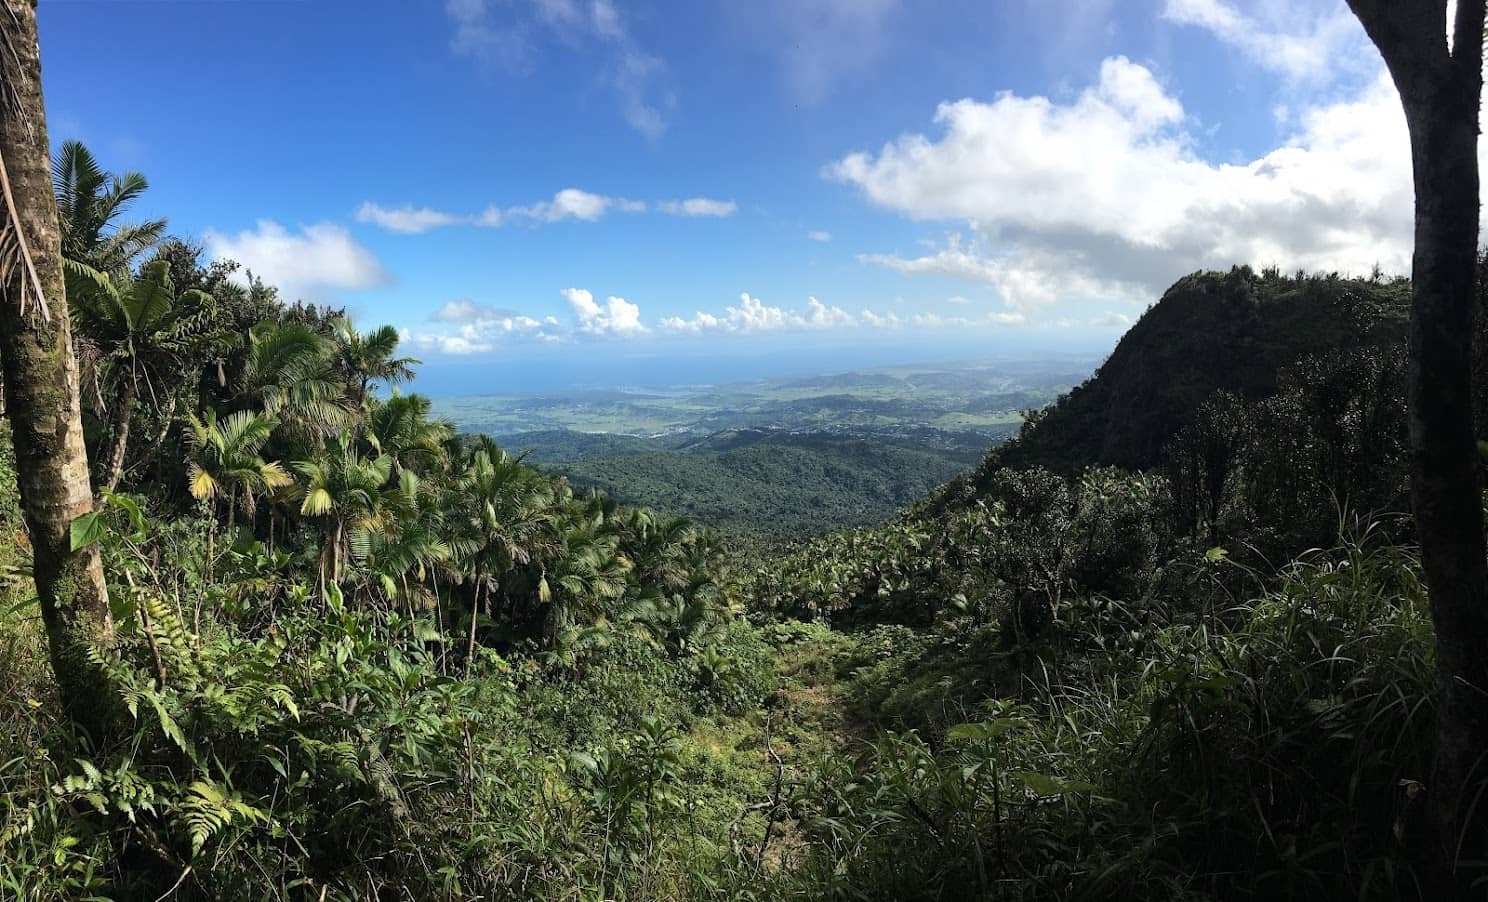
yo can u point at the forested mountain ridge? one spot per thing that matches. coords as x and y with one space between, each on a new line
1233 332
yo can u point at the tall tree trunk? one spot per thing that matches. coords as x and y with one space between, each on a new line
1441 92
167 419
119 432
42 382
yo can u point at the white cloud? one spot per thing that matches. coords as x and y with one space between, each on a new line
616 316
819 235
820 316
463 310
753 316
698 206
567 204
958 300
1024 278
467 327
423 342
570 203
1052 220
407 219
1112 320
1316 41
511 35
302 264
478 328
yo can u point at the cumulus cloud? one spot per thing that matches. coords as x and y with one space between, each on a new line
512 36
616 316
568 204
698 206
464 310
571 203
304 263
753 316
1024 278
408 220
477 328
467 327
1053 220
458 345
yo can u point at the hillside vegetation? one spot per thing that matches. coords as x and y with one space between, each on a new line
1232 332
768 483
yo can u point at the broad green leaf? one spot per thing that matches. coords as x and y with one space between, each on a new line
86 530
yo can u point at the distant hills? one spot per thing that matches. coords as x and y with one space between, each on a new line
965 400
765 482
781 457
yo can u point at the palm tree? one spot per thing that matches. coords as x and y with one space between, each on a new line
41 380
90 201
225 465
416 547
508 513
343 492
289 373
588 571
141 333
661 548
366 358
400 427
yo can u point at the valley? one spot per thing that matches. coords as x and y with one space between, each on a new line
778 458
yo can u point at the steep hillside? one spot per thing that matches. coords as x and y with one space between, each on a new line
1211 331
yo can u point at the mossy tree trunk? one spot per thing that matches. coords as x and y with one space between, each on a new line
1441 90
41 382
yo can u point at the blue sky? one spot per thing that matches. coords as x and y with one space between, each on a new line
558 187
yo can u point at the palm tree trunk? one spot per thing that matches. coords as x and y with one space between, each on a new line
470 645
40 375
119 432
211 540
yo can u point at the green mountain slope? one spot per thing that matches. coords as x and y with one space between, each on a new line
1211 331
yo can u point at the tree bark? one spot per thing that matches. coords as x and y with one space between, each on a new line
42 383
119 432
1441 92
